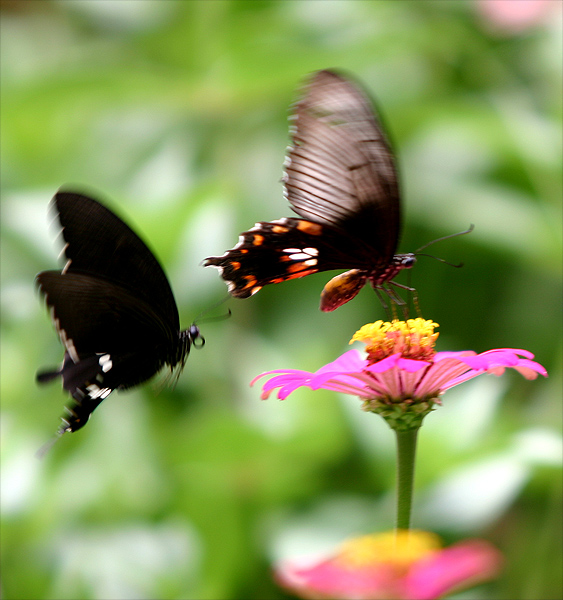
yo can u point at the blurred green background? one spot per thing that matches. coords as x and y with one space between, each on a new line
175 114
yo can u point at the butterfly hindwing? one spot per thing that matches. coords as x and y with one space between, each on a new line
276 251
95 313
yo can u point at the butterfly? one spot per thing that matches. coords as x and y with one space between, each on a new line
112 307
340 179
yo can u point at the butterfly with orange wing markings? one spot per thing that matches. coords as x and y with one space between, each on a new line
340 179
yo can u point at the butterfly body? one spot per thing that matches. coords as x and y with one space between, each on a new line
112 307
341 181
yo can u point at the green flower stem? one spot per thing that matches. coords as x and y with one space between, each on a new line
406 453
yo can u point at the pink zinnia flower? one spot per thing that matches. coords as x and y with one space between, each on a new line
402 377
401 565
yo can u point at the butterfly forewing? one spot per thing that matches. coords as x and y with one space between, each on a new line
340 169
98 242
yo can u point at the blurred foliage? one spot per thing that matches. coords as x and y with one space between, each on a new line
175 114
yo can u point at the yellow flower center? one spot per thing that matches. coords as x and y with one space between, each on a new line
399 548
414 338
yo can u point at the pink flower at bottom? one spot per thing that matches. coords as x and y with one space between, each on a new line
401 565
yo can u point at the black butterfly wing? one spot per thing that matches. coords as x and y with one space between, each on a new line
340 170
99 243
112 339
96 315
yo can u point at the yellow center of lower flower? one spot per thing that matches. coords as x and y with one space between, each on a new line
400 548
414 338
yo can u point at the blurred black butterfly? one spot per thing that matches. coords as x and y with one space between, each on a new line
340 178
112 307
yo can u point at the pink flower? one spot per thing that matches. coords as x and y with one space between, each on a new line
401 565
402 376
515 16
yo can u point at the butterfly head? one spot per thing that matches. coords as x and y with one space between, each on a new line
195 337
404 261
187 338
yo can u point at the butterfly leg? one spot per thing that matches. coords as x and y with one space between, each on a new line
402 303
386 308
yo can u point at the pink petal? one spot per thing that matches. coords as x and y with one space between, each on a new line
390 380
411 381
439 376
375 384
450 354
287 371
458 566
530 372
518 351
495 362
347 362
411 365
319 380
288 382
330 580
524 365
345 385
384 365
501 357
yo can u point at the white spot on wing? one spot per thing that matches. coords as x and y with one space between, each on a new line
218 267
63 251
66 267
95 391
105 362
303 254
69 345
66 341
299 256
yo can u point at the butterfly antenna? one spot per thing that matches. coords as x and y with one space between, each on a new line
457 266
48 445
199 318
446 237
